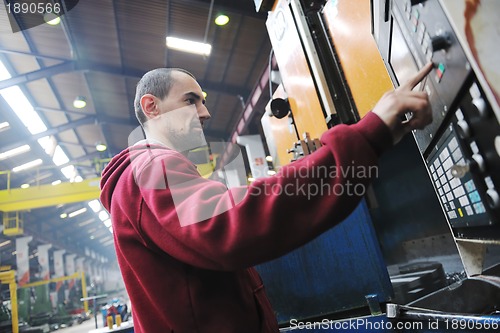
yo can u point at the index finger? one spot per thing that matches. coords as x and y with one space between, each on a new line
422 73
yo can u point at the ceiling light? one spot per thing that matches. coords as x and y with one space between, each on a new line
59 157
77 212
95 205
100 146
14 152
51 19
103 215
221 19
80 102
69 172
4 126
189 46
25 185
84 223
105 239
271 172
23 109
204 94
269 158
251 179
107 223
5 243
56 182
28 165
63 215
4 73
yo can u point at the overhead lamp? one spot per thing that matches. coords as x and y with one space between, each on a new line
51 19
28 165
103 215
221 19
7 242
105 239
77 212
86 222
56 182
190 46
63 215
80 102
100 146
14 152
269 158
204 94
271 172
25 185
95 205
4 126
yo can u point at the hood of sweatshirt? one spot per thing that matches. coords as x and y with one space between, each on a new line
139 153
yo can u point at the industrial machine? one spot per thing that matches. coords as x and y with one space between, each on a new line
430 235
460 148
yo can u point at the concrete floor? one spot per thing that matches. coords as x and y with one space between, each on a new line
84 327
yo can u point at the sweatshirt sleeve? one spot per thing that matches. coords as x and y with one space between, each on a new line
202 223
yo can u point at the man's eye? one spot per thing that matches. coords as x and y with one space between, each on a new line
191 101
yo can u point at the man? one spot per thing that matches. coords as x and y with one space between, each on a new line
186 244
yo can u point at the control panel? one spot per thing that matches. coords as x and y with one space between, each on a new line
422 34
464 167
461 148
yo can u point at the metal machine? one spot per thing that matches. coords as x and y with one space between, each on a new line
460 148
336 58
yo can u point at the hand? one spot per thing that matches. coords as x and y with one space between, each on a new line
395 104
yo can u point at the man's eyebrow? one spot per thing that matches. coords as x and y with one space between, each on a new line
195 96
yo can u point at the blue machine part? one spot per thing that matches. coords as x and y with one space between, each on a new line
333 273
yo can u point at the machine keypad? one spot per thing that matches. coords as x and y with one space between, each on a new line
459 196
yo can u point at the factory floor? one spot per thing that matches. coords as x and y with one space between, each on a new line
84 327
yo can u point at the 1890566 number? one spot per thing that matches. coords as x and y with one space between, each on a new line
33 8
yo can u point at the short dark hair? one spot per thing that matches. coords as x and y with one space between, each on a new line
156 82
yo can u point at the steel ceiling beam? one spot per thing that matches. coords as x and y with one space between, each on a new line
32 54
71 66
65 67
52 131
52 110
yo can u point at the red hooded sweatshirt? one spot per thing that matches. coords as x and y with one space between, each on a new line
185 244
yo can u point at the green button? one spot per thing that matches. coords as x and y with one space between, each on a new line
441 67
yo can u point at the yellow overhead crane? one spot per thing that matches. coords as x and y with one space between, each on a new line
18 199
15 200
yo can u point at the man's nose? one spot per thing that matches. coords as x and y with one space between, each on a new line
203 114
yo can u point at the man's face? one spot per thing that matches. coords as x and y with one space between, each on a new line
182 113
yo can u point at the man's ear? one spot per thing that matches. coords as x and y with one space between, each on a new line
148 104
